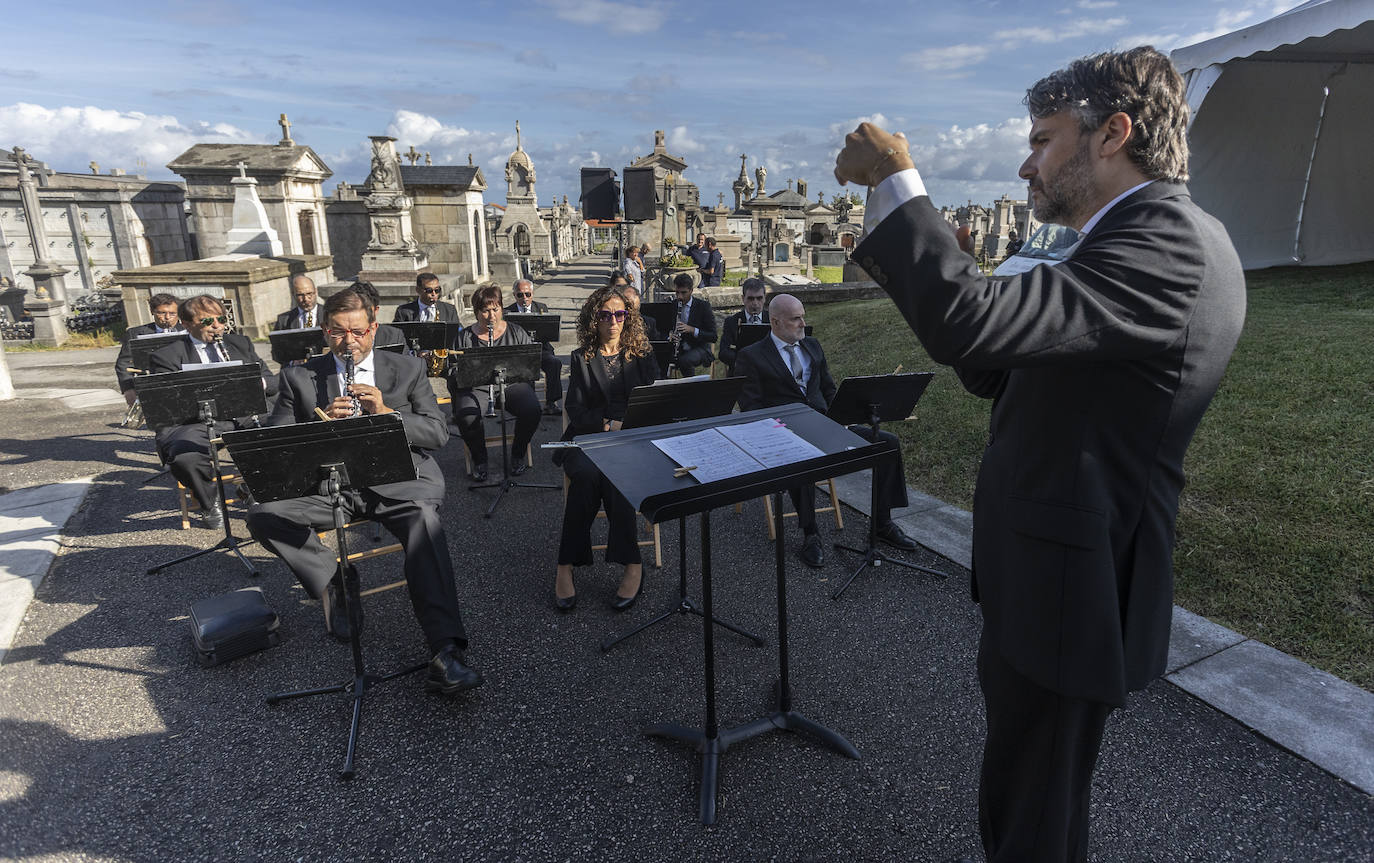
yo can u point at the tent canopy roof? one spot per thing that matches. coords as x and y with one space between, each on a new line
1304 33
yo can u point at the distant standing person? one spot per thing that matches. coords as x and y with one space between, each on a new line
713 270
1100 369
633 268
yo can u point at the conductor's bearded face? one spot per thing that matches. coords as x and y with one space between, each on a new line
350 332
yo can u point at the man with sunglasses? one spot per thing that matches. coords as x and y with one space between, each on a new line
552 366
186 449
383 383
426 306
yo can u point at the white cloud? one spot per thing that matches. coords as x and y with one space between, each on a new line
679 141
617 17
69 137
973 153
1050 35
1096 4
844 127
948 58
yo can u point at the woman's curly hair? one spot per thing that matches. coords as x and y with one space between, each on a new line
632 339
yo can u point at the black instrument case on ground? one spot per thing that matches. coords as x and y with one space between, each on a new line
233 625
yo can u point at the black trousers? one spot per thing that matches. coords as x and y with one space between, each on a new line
1038 761
689 358
890 477
552 367
588 491
188 458
468 406
287 529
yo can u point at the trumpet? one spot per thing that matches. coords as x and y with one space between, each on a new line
349 375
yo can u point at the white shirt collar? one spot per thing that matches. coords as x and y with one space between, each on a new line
1097 217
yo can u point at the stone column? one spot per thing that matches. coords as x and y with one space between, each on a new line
47 276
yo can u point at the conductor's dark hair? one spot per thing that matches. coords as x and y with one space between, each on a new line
349 301
1142 84
156 301
682 280
426 278
367 291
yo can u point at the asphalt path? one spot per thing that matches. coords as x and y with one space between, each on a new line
115 745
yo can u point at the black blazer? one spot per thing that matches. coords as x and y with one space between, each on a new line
284 319
405 389
768 382
588 390
1101 368
126 354
539 308
411 312
171 358
730 337
699 315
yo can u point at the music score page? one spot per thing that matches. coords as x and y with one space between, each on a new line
735 450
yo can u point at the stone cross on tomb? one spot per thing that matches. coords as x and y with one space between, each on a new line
412 154
243 170
720 199
285 131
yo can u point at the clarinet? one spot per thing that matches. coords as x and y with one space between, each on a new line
491 387
676 335
217 342
349 375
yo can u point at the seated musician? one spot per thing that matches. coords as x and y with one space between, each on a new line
632 303
491 329
695 328
164 311
752 292
383 383
789 367
306 312
386 333
426 306
611 359
186 449
549 364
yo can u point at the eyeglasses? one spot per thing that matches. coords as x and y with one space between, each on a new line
605 316
338 334
524 293
205 322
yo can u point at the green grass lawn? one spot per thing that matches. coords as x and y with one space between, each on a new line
1274 530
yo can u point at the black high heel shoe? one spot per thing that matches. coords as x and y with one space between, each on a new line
564 603
623 603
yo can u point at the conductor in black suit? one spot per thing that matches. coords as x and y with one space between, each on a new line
1100 369
752 292
186 449
549 363
306 311
163 308
696 328
788 368
426 306
383 383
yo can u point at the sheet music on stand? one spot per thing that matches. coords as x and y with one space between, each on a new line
730 451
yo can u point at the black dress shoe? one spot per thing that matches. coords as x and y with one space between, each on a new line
623 603
518 466
894 536
335 613
813 553
479 472
565 603
447 674
553 410
212 518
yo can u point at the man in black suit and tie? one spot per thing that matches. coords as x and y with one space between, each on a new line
787 368
752 291
306 312
550 364
186 449
1100 369
696 328
164 311
383 383
426 306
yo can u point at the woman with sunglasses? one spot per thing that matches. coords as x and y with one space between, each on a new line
612 358
491 329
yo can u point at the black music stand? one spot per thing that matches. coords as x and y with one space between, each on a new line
663 355
869 400
645 476
140 349
496 366
205 396
542 328
328 458
748 334
429 335
673 403
291 345
664 315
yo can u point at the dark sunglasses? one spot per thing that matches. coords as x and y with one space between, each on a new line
524 293
205 322
605 316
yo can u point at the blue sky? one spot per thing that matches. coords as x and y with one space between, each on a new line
134 85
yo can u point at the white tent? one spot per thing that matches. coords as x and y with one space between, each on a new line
1282 137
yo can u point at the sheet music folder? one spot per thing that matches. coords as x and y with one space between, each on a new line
173 398
642 473
542 328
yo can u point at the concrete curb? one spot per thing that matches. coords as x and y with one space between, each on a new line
31 524
1313 714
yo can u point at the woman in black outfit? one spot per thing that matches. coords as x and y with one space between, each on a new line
491 330
612 358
